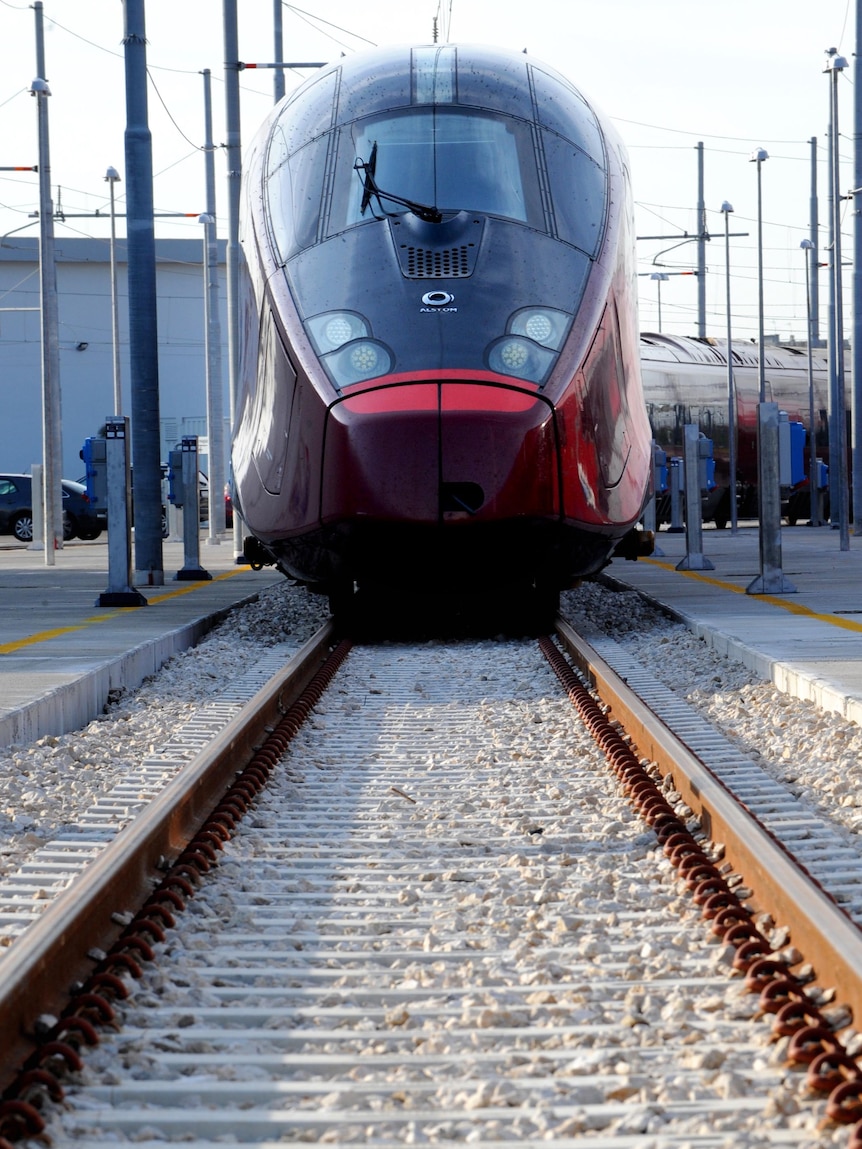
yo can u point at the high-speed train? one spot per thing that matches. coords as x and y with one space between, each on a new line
439 370
685 381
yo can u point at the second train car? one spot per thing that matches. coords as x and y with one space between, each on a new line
439 365
685 381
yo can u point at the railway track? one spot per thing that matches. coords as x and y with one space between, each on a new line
440 921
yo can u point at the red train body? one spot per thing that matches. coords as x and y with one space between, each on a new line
439 369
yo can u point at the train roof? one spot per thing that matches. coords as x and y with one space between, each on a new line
688 349
466 75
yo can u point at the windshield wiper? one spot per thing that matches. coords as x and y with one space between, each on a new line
369 188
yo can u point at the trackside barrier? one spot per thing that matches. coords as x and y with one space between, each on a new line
771 579
658 487
699 469
676 482
183 492
108 477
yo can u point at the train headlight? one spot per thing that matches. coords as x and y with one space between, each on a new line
333 329
359 360
545 325
515 355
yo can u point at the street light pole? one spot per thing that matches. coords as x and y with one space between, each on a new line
112 177
660 277
726 210
757 157
52 448
212 335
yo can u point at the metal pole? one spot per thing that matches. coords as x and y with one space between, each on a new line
813 514
856 374
771 579
694 559
701 247
234 176
278 56
52 449
143 332
113 177
726 209
832 390
212 335
814 230
658 285
836 65
758 157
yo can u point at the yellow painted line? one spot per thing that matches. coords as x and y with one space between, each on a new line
47 635
783 603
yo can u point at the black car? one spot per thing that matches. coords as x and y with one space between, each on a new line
80 519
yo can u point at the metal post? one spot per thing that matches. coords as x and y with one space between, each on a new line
694 559
650 518
278 55
838 455
212 335
814 237
234 175
814 510
726 209
143 333
192 571
660 277
676 475
856 373
757 157
52 449
702 236
771 579
120 591
113 177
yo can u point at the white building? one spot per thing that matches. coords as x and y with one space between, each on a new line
86 345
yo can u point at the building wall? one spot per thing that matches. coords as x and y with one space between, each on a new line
87 374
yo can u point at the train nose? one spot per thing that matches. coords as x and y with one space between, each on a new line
431 452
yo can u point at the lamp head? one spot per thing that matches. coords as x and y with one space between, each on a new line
112 175
726 207
759 155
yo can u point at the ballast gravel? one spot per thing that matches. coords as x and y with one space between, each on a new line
477 930
815 753
51 782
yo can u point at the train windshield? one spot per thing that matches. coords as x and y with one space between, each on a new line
451 160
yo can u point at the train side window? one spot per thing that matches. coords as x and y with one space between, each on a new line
554 110
578 192
293 193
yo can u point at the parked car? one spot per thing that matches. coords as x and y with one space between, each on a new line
80 519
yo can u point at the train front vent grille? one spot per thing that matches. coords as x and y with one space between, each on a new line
437 263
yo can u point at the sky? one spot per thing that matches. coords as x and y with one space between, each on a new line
666 73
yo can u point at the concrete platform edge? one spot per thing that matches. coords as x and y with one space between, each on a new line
75 704
787 677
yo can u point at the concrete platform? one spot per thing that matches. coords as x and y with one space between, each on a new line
61 654
809 643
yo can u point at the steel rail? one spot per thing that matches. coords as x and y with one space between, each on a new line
92 911
819 928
